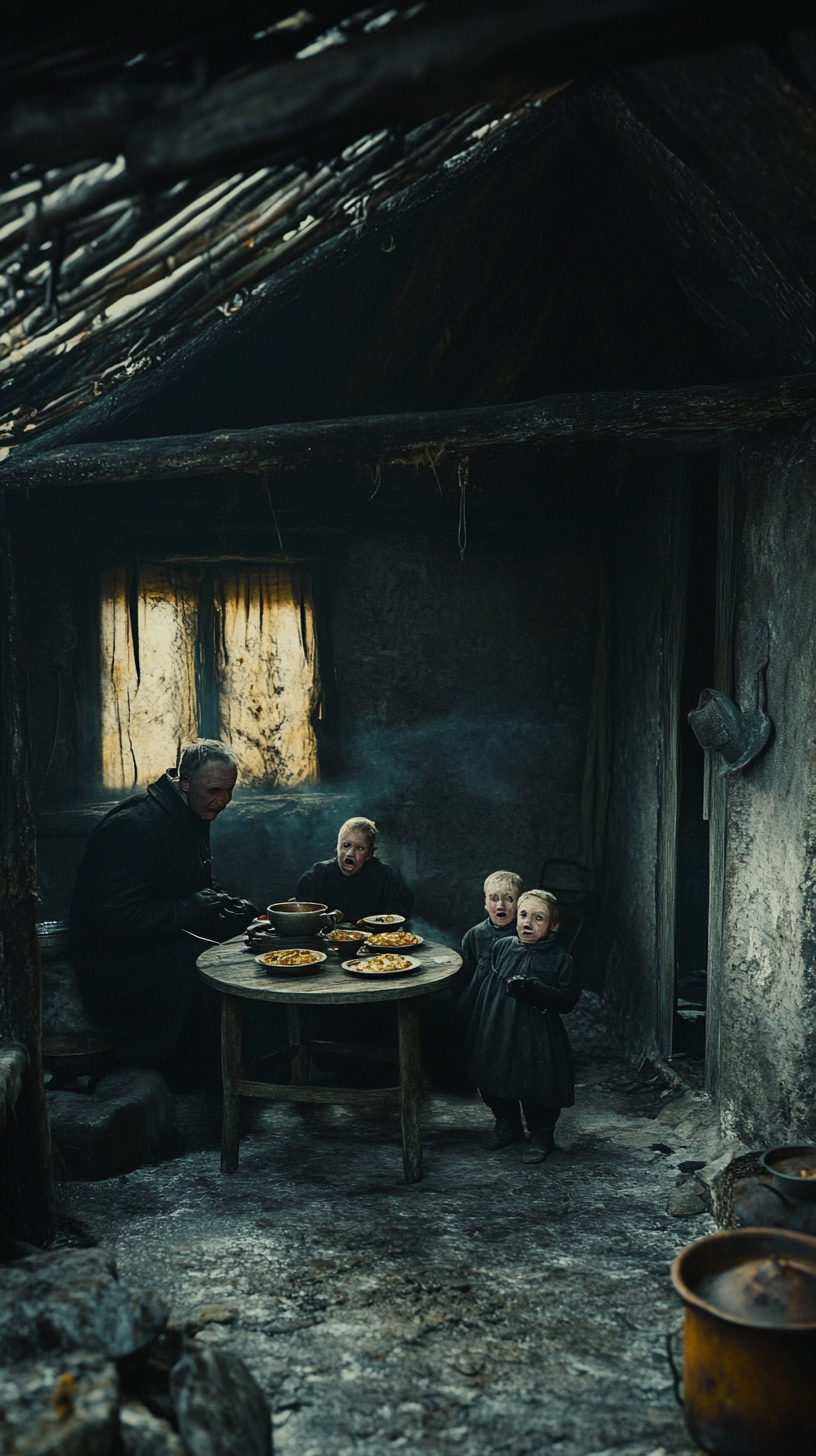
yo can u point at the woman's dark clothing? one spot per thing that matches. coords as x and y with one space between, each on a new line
539 1119
515 1050
376 889
134 897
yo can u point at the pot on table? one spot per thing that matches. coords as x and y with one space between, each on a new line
749 1347
302 917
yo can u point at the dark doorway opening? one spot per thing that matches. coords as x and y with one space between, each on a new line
691 929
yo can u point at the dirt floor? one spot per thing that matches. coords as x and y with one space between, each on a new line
491 1310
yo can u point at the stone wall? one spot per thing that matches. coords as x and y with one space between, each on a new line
768 1010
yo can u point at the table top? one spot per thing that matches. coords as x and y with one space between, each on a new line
231 968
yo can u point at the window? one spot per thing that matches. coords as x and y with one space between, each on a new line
221 651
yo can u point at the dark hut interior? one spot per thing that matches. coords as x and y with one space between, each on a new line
433 427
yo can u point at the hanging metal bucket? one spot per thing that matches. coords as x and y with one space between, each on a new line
749 1342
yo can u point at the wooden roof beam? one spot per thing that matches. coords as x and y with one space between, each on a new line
701 412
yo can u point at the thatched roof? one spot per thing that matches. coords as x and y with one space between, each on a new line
653 229
102 281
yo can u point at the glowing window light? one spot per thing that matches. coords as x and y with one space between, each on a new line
268 686
257 649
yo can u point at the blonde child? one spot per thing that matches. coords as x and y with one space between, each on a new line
517 1046
501 892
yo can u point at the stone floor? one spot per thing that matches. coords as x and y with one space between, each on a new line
491 1310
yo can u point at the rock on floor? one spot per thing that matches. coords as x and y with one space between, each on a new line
122 1125
70 1299
59 1407
143 1434
220 1408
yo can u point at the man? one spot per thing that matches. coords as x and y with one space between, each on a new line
354 881
143 899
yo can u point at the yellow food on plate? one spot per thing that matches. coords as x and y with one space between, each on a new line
347 935
395 937
807 1172
291 958
377 964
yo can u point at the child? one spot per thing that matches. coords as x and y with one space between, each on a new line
518 1047
501 892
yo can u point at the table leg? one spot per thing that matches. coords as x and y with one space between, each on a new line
297 1037
232 1021
411 1087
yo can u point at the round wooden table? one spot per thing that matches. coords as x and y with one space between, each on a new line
232 970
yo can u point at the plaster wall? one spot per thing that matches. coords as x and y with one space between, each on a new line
768 1011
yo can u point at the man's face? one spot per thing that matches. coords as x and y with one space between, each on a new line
501 905
352 852
533 922
211 789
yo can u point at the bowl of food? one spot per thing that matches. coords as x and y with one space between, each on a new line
347 940
382 965
393 940
792 1170
291 962
383 922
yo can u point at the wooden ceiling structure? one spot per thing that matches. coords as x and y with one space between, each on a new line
177 176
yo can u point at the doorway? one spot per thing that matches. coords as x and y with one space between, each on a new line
697 672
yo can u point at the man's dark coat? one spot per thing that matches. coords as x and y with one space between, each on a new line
133 899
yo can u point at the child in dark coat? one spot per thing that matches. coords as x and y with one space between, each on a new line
501 892
516 1042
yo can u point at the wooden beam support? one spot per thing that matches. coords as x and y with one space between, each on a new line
28 1208
706 411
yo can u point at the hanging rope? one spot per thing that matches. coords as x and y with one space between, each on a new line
464 476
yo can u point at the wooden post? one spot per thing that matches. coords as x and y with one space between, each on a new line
232 1022
411 1088
30 1211
297 1038
718 797
673 625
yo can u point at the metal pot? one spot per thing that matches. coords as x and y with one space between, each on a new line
783 1164
749 1348
301 917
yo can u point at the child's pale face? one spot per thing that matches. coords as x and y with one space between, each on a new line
533 922
501 906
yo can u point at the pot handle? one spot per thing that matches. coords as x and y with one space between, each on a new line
677 1378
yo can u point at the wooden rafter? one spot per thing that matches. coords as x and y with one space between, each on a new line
708 410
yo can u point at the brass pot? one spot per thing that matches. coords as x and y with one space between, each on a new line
749 1348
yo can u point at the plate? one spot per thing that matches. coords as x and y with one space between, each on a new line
384 922
375 943
363 968
345 937
270 960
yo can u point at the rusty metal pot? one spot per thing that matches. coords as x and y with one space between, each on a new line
749 1347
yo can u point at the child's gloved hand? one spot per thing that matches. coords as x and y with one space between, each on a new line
532 992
